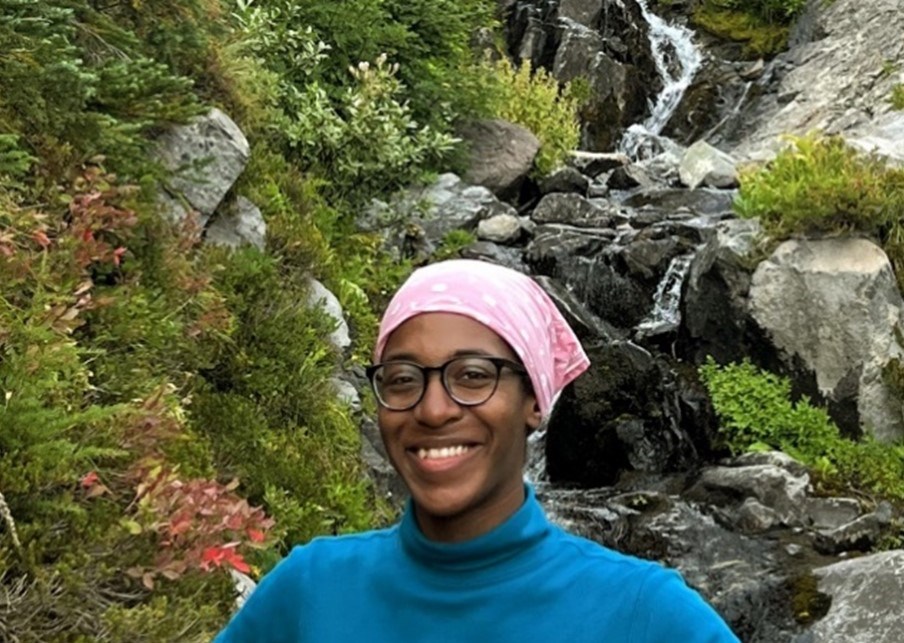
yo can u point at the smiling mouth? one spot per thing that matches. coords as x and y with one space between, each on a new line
442 453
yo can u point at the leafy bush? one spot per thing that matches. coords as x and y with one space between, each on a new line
533 98
269 410
756 412
428 39
358 137
820 184
96 461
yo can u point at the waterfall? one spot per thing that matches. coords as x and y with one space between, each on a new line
677 61
666 314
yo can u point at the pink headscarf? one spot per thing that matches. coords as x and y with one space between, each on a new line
511 304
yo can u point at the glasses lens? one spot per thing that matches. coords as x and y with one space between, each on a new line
398 385
471 380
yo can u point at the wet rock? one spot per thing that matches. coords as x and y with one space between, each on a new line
619 416
627 177
771 458
585 324
618 92
772 486
831 513
488 251
754 517
593 164
584 12
573 209
566 179
716 321
860 534
714 203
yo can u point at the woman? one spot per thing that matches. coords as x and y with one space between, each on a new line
470 358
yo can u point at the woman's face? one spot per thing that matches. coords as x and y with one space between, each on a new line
463 465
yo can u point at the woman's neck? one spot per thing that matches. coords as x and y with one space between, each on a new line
475 522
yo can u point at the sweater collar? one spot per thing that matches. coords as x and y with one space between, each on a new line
520 532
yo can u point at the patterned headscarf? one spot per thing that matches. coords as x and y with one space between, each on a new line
511 304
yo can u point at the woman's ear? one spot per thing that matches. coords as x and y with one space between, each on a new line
534 416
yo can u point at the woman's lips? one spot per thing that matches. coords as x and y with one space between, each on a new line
437 459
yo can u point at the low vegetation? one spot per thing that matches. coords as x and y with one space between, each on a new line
820 184
762 25
757 412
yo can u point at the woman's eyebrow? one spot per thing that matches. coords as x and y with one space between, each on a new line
461 352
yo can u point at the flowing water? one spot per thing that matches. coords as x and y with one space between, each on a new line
677 61
666 315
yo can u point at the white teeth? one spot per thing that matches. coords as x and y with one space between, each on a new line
444 452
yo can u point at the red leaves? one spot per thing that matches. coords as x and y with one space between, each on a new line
224 554
89 479
200 524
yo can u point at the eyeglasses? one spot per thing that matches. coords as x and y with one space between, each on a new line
470 381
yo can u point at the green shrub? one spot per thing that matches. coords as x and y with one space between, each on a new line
756 412
770 11
452 243
533 98
72 97
268 408
820 184
428 39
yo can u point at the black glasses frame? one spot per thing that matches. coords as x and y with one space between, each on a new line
498 362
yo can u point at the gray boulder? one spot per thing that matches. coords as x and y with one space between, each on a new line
771 486
502 228
703 164
866 600
414 223
565 179
320 296
205 157
833 79
501 155
834 305
240 223
573 209
584 12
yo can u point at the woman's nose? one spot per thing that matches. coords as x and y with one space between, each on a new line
436 407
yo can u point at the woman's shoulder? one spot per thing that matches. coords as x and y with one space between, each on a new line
346 548
594 560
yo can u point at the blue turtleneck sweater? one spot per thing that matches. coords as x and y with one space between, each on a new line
527 581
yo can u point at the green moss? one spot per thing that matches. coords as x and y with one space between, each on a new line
759 37
896 98
808 604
